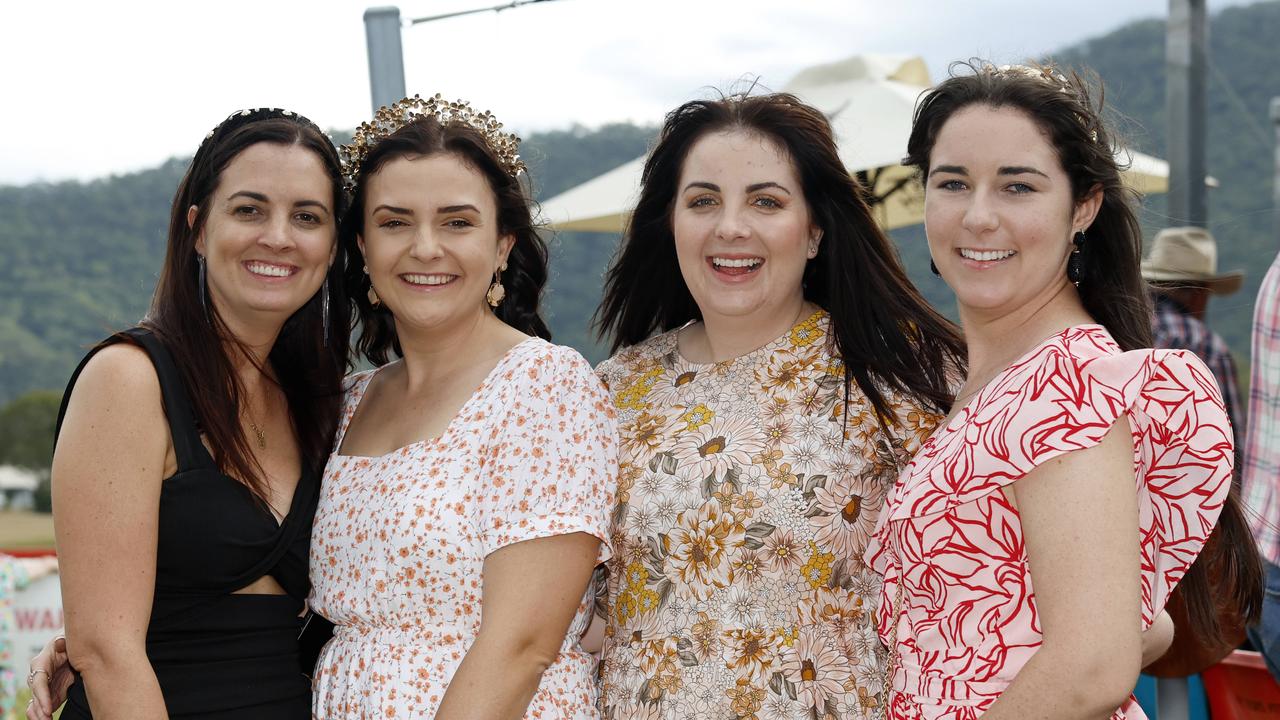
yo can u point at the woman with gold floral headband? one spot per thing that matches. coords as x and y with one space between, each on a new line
467 500
795 366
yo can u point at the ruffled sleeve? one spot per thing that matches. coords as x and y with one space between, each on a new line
1066 396
553 465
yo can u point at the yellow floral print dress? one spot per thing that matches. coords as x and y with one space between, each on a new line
746 497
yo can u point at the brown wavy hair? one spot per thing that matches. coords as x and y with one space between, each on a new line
308 372
526 273
1112 289
882 328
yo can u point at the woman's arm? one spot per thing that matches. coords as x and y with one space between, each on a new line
1080 525
1157 638
531 592
107 470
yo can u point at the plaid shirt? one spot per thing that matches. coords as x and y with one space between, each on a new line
1261 479
1174 328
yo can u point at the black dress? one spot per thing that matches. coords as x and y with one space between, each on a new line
217 654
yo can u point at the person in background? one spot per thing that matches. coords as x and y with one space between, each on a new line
15 574
1260 481
1182 268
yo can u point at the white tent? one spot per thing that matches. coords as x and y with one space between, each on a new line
869 100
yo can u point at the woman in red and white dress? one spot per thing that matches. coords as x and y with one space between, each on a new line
1013 585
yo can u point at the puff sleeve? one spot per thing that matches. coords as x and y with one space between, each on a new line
552 464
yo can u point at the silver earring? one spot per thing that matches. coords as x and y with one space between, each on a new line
204 303
324 309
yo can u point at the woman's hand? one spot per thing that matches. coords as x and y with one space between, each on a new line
50 676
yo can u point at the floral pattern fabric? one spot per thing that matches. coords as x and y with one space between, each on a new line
747 494
399 543
950 543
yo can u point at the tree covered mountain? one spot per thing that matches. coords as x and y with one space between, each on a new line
80 259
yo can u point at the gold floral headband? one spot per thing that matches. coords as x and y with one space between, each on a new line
389 119
1046 74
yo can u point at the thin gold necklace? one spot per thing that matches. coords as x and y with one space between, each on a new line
262 436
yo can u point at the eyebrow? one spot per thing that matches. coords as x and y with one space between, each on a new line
263 199
704 185
761 186
394 209
1019 170
1006 170
750 188
457 208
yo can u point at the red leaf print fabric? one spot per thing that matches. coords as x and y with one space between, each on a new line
968 618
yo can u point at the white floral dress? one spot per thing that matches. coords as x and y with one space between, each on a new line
399 542
747 495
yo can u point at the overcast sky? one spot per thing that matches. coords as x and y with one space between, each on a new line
90 88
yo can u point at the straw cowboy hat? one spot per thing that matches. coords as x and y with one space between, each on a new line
1189 254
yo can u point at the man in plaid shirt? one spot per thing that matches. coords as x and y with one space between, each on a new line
1260 481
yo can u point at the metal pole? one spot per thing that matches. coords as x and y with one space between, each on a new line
1186 54
1275 180
386 58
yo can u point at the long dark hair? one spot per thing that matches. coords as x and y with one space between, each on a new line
526 272
1111 289
886 333
308 372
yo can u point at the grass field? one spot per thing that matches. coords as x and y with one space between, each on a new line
25 529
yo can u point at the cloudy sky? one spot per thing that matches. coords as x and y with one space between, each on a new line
90 88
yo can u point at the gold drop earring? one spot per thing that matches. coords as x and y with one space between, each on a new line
496 291
374 300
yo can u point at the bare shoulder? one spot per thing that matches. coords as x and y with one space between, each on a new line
118 385
118 373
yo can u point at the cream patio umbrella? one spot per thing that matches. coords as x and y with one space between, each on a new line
869 100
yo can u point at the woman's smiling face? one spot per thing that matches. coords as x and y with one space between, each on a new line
431 239
742 228
269 233
1000 211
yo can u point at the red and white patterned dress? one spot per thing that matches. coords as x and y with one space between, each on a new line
967 608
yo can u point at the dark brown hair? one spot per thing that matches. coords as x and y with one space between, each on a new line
309 373
526 272
1111 289
884 331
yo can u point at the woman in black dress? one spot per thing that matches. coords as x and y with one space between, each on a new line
189 448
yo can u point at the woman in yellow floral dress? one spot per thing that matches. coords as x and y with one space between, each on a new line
794 369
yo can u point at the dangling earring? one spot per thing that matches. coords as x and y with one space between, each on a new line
1075 263
496 291
204 303
324 309
374 300
934 268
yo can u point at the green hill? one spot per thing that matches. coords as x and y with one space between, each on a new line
80 259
